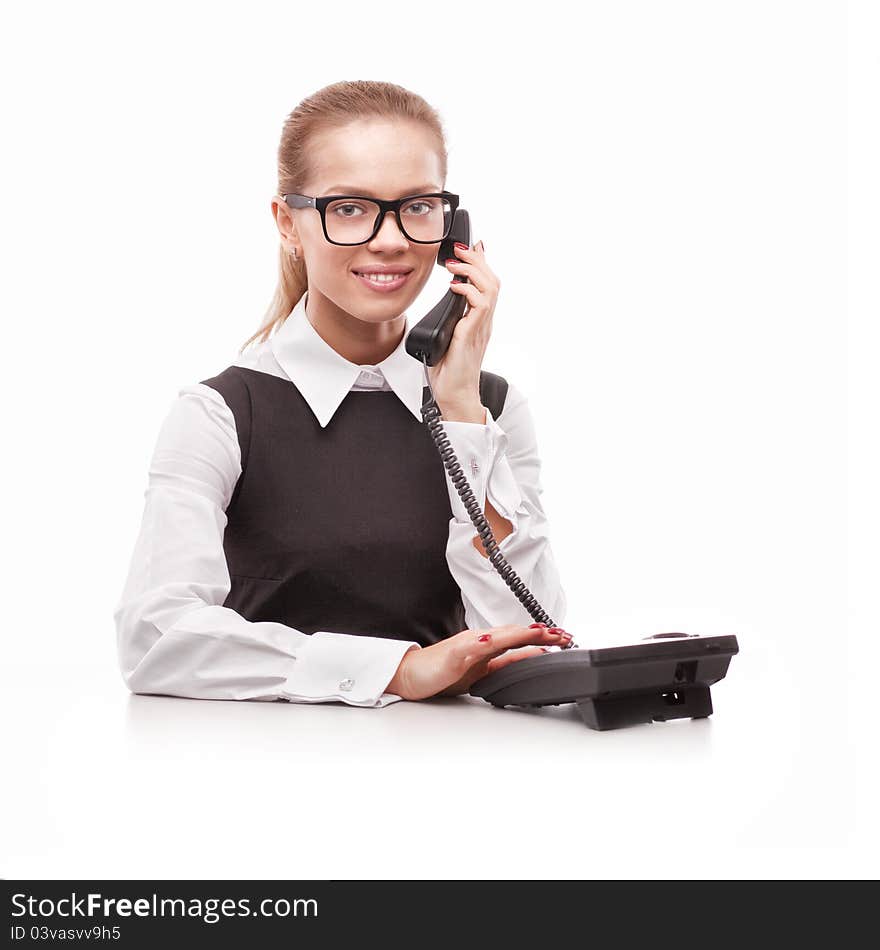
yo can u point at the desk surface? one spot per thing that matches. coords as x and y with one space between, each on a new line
108 784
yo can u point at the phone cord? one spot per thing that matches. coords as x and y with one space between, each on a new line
431 415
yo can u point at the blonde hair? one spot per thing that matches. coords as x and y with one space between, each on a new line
334 106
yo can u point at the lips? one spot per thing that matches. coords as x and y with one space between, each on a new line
383 286
402 271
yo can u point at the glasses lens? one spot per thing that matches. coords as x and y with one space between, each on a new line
426 219
351 220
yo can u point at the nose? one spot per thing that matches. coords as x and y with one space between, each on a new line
390 233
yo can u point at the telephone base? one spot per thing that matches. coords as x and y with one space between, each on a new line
612 712
653 680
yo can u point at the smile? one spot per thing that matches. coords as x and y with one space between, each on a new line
384 283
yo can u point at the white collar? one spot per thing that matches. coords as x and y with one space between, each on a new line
325 377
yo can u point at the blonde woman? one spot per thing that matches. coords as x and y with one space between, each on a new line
301 540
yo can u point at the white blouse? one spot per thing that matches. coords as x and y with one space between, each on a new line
175 638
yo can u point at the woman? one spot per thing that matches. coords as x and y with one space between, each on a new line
297 542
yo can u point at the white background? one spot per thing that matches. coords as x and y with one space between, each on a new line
663 190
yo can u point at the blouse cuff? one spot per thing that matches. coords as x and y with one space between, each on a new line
481 451
346 667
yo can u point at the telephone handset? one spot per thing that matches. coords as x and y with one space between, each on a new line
428 341
431 336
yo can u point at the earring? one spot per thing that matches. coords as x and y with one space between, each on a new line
293 251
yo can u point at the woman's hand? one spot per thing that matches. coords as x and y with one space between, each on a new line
450 667
455 379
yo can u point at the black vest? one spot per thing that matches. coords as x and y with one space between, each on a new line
343 528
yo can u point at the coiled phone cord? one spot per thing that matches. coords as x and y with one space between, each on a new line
431 415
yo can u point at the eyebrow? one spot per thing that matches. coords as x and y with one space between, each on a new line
351 190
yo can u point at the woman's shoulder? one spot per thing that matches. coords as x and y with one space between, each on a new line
199 407
259 358
493 392
502 396
197 446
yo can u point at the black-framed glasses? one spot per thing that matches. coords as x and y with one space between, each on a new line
356 219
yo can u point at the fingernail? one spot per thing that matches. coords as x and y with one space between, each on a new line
464 247
482 246
533 626
556 630
485 637
451 260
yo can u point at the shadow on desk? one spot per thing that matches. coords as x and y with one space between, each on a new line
461 723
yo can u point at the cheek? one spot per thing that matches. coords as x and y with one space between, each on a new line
329 266
428 260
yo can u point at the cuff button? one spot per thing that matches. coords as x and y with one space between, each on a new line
346 684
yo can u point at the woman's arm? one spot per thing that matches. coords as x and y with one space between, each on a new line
174 637
500 526
501 463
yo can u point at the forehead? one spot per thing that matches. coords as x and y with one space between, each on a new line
376 157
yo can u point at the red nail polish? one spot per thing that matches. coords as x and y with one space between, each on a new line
464 247
485 637
536 626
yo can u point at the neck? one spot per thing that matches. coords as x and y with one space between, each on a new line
363 342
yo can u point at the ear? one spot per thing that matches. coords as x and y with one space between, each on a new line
283 215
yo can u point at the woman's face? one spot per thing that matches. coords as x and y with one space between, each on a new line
383 158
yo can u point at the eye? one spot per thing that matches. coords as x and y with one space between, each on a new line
347 209
420 207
